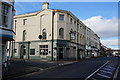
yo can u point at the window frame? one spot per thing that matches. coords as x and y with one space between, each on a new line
24 35
32 53
24 21
71 20
5 14
44 48
61 33
44 34
61 17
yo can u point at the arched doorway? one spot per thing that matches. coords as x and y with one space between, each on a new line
22 51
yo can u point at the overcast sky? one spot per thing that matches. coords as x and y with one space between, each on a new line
101 17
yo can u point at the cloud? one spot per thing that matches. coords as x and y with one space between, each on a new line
114 44
110 42
105 28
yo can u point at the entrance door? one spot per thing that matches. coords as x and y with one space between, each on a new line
61 52
78 54
22 52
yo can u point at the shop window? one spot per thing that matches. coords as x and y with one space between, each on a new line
15 50
43 49
32 51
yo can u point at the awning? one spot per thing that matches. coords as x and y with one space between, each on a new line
7 39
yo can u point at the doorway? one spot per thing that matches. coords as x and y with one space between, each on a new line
22 51
61 53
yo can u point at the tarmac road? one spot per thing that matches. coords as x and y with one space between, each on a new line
80 70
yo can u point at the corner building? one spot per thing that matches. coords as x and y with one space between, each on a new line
49 34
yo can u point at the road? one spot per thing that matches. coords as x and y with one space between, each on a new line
82 69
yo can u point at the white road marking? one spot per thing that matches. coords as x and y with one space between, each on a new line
96 70
110 67
106 71
116 73
103 75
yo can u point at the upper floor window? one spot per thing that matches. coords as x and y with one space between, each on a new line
44 34
24 21
61 33
5 11
72 34
61 17
70 20
15 25
24 35
78 26
74 23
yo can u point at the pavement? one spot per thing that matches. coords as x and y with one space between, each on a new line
20 67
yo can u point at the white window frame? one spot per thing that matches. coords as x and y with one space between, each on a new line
61 17
5 14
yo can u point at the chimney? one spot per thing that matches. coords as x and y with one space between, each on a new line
45 5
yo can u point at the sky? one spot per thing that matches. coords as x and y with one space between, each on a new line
101 17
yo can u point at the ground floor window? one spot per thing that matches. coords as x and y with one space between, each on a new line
15 50
43 49
32 51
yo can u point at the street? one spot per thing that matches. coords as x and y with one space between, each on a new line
82 69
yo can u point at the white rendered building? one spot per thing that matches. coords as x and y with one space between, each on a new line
49 34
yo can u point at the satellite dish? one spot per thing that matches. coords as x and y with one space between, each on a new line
40 36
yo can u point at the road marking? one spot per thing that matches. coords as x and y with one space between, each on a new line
116 72
96 70
103 75
110 67
106 71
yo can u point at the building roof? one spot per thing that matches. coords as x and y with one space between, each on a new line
55 10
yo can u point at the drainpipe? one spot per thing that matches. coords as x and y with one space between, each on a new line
53 13
85 43
77 42
12 50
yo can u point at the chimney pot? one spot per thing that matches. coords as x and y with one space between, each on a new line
45 5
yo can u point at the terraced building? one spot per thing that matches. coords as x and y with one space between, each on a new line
49 34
